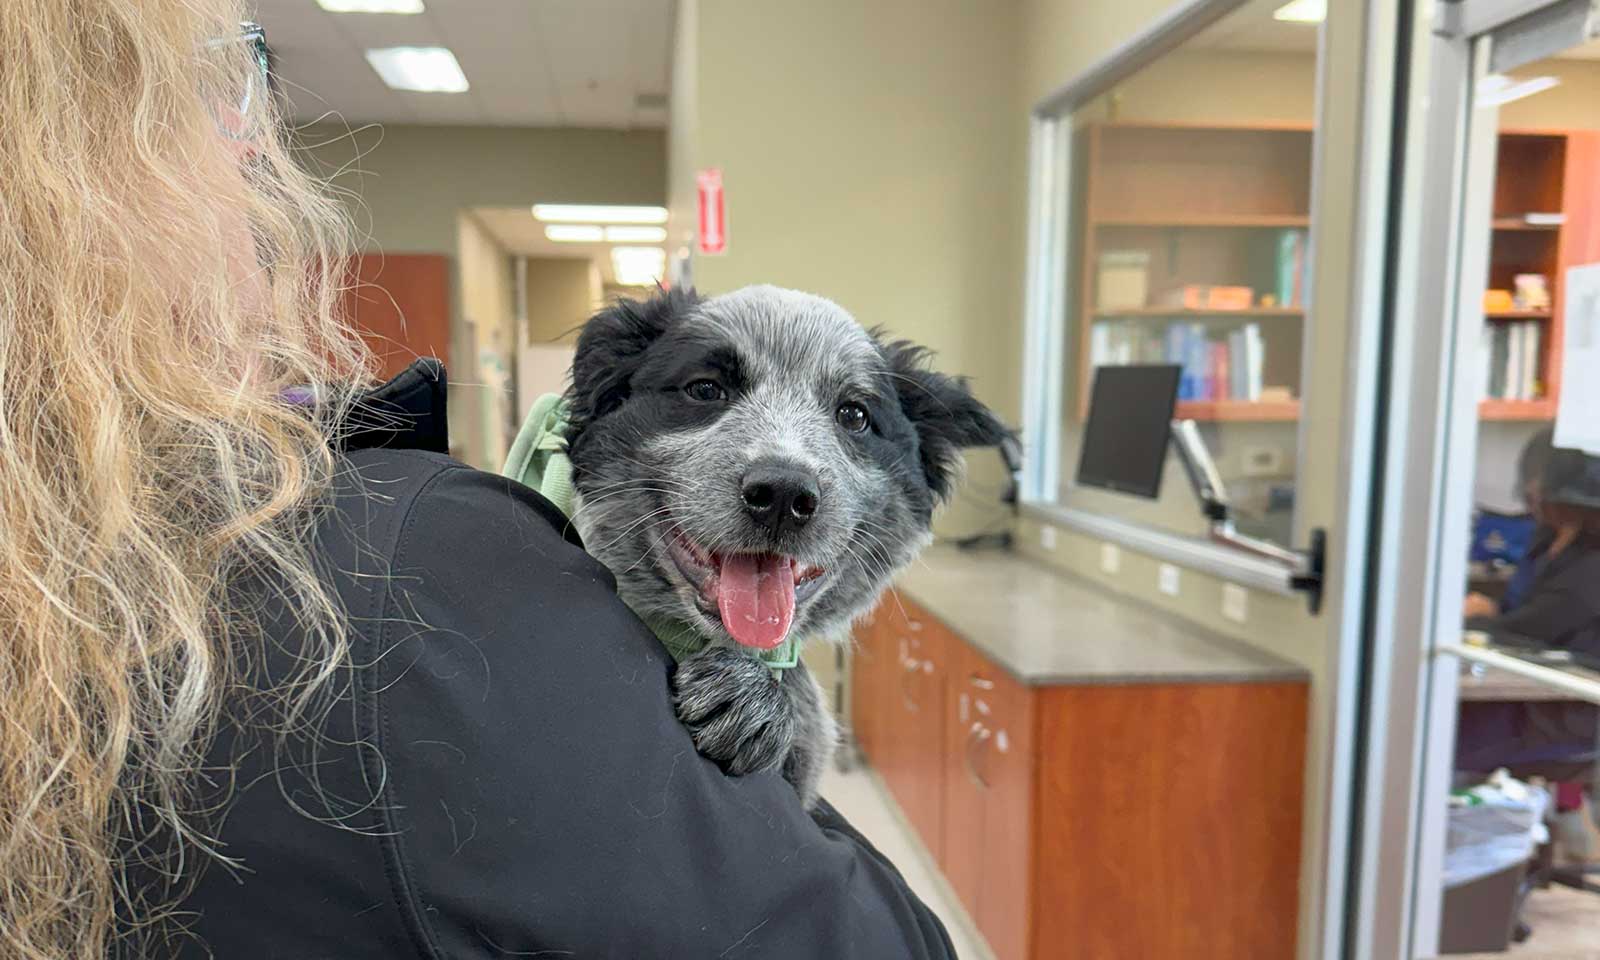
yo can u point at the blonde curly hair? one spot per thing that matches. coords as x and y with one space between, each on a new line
160 288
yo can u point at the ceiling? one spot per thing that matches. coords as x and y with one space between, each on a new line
540 63
1252 28
519 233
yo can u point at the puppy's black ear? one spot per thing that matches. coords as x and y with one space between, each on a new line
610 348
944 412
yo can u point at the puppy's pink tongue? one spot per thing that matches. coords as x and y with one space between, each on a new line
755 595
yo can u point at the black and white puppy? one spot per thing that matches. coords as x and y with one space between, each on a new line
756 464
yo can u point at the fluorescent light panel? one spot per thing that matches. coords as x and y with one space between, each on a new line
575 232
419 69
636 234
1302 11
638 266
371 6
1497 88
582 213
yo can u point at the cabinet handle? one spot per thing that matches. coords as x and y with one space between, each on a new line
915 626
910 668
975 738
980 682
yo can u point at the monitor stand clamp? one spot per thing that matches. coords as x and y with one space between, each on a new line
1302 568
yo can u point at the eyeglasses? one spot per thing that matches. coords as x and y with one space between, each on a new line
257 83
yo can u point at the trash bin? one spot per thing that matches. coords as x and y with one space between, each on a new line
1493 832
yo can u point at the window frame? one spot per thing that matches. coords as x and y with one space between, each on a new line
1044 340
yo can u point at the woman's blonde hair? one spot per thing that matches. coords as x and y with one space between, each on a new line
160 288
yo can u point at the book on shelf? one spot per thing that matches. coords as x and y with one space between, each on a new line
1511 352
1215 366
1293 268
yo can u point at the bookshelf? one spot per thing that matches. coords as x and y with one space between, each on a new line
1206 205
1540 176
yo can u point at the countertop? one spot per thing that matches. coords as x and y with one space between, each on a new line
1047 627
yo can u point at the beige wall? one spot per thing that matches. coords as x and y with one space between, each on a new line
408 189
1217 86
562 294
683 135
1574 103
868 155
405 184
480 398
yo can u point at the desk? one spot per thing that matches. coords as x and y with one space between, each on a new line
1506 676
1495 684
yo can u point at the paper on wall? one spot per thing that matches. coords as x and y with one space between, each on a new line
1578 416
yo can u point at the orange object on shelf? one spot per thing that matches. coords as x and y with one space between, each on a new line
1200 296
1498 301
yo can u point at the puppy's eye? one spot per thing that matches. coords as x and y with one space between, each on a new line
852 417
705 391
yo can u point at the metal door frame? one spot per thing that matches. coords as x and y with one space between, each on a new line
1445 162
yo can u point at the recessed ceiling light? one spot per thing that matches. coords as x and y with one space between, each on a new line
421 69
1497 88
371 6
581 213
575 232
638 266
1302 11
636 234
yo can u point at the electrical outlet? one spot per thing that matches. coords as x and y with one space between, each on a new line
1167 579
1110 558
1235 602
1262 462
1047 537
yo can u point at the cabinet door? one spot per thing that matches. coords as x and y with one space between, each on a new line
963 791
915 730
1003 759
868 690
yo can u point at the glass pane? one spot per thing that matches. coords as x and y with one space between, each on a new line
1536 531
1189 243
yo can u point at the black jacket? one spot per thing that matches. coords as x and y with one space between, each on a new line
502 774
1562 609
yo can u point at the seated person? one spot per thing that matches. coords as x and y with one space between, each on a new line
1560 609
1530 475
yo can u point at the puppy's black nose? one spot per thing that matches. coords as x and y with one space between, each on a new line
779 497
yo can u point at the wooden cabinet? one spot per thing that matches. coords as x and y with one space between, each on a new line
867 662
988 770
1111 820
912 695
400 303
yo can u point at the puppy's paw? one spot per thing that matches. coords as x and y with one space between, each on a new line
735 710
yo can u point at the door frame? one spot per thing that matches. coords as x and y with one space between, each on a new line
1427 449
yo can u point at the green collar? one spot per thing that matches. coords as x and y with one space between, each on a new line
538 459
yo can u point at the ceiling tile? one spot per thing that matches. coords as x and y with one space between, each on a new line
529 62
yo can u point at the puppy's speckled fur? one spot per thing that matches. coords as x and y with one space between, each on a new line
648 459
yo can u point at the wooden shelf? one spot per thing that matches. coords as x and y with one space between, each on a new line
1542 409
1237 410
1201 220
1187 312
1517 315
1517 223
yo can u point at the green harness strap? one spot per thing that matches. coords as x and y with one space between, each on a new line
538 459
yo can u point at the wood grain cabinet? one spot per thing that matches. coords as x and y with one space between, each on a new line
1115 820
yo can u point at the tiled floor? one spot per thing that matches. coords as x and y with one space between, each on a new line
1566 922
861 798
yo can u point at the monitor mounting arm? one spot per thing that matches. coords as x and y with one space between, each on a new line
1303 568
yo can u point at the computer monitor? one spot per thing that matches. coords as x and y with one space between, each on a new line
1130 421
